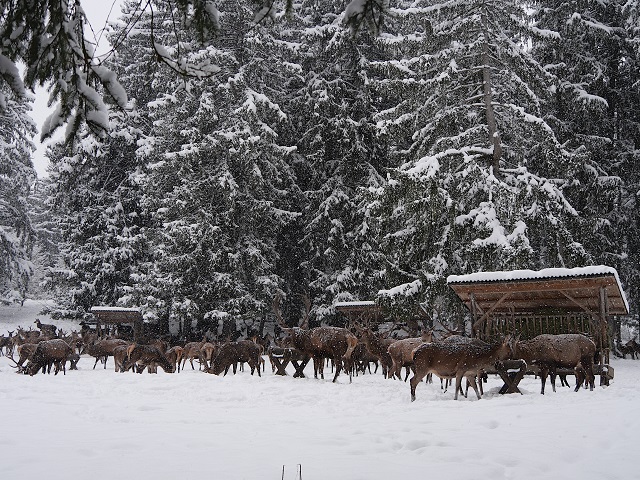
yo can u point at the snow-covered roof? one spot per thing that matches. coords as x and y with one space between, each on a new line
360 310
114 309
510 275
363 303
117 314
537 287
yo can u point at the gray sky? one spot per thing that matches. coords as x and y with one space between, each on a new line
97 12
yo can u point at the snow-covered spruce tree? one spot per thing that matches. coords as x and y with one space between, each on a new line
341 155
16 176
219 187
97 204
99 184
629 155
481 173
594 113
135 62
46 249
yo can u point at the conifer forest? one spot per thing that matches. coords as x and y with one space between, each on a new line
226 152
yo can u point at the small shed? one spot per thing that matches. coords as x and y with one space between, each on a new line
552 300
106 316
369 312
360 311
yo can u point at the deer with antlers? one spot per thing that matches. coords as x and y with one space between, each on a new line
319 343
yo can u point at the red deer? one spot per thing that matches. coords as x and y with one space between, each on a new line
207 353
74 358
362 359
232 353
457 360
103 349
401 353
550 352
319 343
120 356
460 339
261 342
24 351
379 348
49 352
174 355
6 344
28 336
146 355
630 348
46 328
192 351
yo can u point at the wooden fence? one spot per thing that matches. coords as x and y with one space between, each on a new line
528 326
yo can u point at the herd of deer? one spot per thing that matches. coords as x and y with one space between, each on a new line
631 348
454 357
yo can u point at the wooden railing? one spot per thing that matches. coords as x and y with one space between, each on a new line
528 326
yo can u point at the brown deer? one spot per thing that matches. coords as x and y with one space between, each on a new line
6 344
629 348
46 328
120 354
192 351
454 337
47 353
28 336
174 355
207 353
362 359
401 353
103 349
232 353
25 351
145 356
319 343
549 352
457 360
378 345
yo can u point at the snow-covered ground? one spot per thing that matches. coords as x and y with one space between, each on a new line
100 424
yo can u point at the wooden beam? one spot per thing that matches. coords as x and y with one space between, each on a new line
521 305
493 307
581 305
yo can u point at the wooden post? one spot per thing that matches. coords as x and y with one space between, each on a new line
137 330
604 338
474 313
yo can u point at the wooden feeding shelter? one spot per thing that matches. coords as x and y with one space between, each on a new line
552 300
107 316
360 311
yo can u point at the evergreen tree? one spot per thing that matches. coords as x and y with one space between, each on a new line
481 176
46 251
338 146
99 185
593 113
16 176
220 189
97 203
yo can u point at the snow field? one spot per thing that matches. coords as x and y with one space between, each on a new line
100 424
